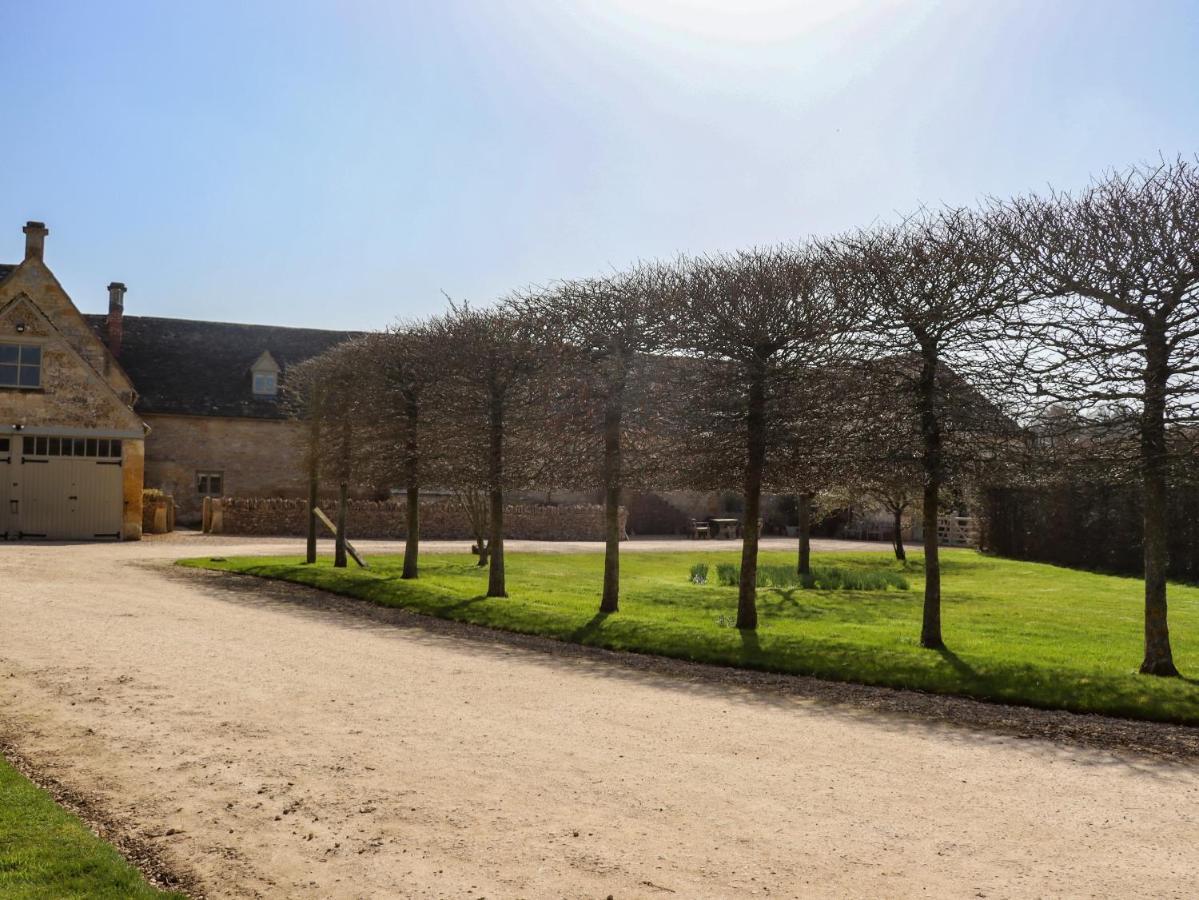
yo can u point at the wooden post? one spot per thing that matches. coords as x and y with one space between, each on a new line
333 528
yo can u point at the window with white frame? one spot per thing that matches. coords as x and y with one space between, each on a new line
20 366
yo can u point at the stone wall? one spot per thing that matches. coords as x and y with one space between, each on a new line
158 513
256 457
440 519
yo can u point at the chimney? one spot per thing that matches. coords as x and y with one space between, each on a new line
35 239
114 325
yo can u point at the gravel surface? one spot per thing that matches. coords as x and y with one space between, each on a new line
251 739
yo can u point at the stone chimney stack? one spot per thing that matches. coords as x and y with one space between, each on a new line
114 325
35 239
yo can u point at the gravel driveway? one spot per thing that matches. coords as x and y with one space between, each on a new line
279 748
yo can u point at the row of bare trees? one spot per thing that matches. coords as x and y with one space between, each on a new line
1019 340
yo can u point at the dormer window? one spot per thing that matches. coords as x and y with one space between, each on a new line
265 376
265 384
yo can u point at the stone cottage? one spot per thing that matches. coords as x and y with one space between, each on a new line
94 407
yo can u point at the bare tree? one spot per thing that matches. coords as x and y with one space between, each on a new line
398 369
761 319
487 396
608 325
896 494
814 455
1111 334
936 288
333 379
305 395
478 514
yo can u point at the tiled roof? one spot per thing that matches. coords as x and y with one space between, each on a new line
203 368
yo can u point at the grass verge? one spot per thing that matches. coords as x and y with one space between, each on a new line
45 852
1017 632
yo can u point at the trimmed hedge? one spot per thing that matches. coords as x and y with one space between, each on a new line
1089 526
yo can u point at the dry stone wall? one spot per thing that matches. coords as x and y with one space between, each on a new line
158 512
440 519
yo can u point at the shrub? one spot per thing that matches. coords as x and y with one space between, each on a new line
728 574
778 576
699 573
834 579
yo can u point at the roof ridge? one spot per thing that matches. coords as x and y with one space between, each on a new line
196 367
127 317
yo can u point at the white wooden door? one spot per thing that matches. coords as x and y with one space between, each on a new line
68 490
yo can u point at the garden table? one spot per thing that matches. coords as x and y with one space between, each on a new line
725 528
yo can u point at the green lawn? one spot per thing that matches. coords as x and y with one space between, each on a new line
45 852
1017 632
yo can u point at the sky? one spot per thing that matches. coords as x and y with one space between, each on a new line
347 164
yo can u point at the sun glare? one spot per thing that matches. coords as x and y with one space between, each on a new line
741 21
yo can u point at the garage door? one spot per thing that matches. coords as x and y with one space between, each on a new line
69 488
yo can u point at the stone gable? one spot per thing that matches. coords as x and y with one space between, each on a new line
33 281
73 393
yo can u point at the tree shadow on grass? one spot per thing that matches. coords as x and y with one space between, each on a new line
751 646
958 664
786 603
858 607
584 632
468 602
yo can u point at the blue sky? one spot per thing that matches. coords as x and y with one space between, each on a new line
341 164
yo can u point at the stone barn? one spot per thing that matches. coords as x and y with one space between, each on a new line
208 393
95 407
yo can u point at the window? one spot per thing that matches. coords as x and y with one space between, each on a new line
209 484
265 384
264 380
93 448
21 366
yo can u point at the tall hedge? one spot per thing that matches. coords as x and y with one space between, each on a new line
1089 526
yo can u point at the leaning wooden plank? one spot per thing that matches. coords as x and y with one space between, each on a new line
349 547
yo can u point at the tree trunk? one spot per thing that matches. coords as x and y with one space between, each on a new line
343 492
495 547
1159 659
610 601
477 513
900 553
804 504
755 444
313 490
412 476
495 574
930 428
339 545
481 543
412 537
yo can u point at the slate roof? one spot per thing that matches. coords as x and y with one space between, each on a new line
194 368
6 270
